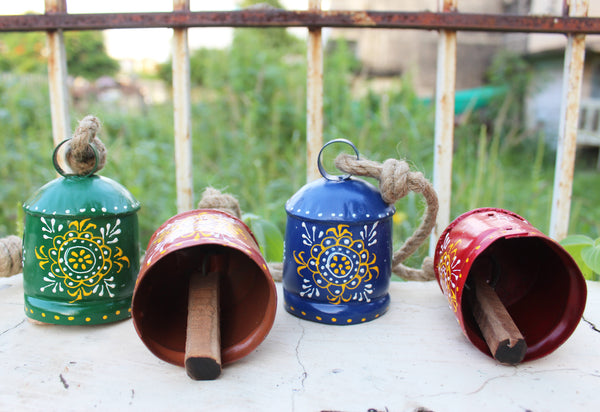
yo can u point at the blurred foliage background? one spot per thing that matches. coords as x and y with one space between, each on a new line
249 128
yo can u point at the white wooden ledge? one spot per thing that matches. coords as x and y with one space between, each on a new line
413 358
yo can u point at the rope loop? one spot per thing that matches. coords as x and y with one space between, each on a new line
85 152
395 182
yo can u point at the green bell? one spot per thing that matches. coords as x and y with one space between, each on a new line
80 249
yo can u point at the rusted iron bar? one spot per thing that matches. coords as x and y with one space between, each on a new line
314 97
182 113
569 119
57 77
310 18
444 123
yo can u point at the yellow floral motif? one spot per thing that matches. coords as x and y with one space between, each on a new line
449 271
83 259
80 261
205 224
339 265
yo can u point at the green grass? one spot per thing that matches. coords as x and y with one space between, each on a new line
250 141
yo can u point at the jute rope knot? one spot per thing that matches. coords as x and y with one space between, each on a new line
395 181
214 199
11 255
80 155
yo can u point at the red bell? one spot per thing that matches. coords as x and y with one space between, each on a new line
536 280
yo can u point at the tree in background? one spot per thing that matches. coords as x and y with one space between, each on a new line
28 53
87 57
23 52
241 66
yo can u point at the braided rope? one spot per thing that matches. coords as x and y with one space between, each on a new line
80 154
396 181
11 255
214 199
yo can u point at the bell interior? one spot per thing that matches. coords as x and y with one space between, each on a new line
540 286
160 304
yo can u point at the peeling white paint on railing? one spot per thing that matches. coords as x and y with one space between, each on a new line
314 97
57 76
182 113
444 123
567 134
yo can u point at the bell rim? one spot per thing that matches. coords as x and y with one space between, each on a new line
60 312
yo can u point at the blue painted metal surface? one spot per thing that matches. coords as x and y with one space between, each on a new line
338 251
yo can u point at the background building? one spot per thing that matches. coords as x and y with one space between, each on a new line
389 54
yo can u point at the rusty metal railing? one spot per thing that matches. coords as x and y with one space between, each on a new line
574 23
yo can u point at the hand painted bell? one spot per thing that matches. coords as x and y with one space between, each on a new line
535 279
338 250
246 298
80 249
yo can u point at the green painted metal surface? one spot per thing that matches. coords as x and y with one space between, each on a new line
80 251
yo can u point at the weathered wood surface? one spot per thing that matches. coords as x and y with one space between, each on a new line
503 337
415 356
203 332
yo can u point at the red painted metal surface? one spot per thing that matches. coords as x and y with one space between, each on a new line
282 18
534 277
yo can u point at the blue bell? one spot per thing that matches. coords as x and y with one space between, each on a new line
337 261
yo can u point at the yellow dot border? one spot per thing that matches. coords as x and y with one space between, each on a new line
336 320
47 316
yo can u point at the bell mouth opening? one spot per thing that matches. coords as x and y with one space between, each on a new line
247 303
539 284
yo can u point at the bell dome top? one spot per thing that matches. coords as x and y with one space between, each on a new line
349 200
338 198
88 196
